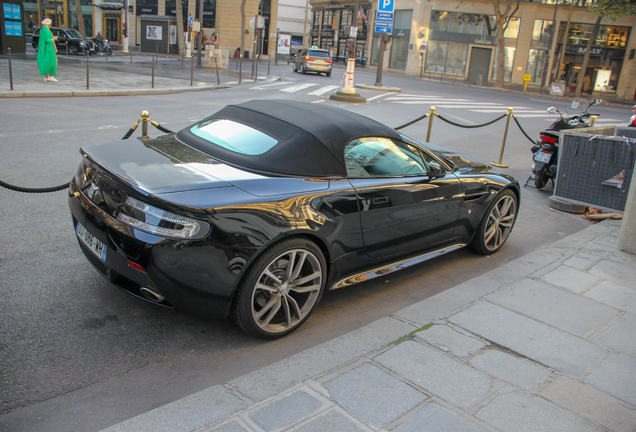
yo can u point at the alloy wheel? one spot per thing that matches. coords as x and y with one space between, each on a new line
500 222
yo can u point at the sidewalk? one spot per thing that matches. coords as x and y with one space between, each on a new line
543 343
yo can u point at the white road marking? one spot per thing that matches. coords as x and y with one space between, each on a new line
267 86
294 89
379 96
323 90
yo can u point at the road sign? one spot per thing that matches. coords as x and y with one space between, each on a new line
383 21
384 16
190 20
386 5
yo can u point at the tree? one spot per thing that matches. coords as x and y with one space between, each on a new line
613 9
180 32
80 18
503 20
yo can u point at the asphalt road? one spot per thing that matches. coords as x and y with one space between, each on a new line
78 354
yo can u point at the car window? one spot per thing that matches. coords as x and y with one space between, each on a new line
319 54
36 32
74 34
382 157
234 136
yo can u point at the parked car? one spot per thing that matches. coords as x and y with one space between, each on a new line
313 60
256 210
76 43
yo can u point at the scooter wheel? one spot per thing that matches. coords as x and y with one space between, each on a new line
539 179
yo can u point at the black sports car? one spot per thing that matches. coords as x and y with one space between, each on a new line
256 210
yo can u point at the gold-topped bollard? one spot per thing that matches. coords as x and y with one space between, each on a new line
430 124
592 121
144 123
503 143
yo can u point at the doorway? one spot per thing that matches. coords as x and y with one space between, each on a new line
112 24
479 65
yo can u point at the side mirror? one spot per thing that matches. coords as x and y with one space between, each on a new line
435 170
552 110
596 101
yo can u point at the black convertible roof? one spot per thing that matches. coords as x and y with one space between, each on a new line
311 138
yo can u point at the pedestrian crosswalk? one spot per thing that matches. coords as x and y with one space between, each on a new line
439 102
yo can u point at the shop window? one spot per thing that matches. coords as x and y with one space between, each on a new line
509 53
466 23
512 31
447 58
541 31
401 38
536 65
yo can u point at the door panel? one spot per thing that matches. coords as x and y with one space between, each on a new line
405 215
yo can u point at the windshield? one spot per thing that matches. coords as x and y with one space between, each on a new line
234 136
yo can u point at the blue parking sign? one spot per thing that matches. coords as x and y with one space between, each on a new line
386 5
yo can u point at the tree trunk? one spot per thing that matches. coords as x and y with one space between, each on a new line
586 57
80 18
501 56
180 36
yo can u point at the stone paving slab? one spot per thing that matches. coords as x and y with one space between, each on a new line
449 340
591 404
436 418
570 278
517 412
437 373
556 307
616 376
523 266
615 295
540 342
620 336
373 396
517 371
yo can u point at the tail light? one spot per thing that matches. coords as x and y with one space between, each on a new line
549 139
309 58
329 61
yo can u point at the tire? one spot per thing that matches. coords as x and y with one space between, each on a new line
497 223
328 74
302 69
72 50
540 179
269 302
109 51
294 68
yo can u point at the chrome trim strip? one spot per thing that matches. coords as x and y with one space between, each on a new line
381 271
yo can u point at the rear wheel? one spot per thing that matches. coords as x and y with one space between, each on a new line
540 179
294 68
302 69
496 224
281 289
328 74
72 49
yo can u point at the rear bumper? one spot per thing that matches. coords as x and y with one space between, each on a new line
188 277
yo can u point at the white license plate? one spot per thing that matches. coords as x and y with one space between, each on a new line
542 157
91 242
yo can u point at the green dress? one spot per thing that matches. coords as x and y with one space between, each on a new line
47 62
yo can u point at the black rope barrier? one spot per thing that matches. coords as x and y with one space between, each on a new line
522 131
34 190
470 126
130 132
411 122
161 128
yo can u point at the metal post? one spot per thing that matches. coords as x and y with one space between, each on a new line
153 71
503 143
269 63
216 62
88 71
378 74
10 69
131 57
144 123
430 124
66 45
157 55
191 70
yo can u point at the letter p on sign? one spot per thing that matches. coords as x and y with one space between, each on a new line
386 5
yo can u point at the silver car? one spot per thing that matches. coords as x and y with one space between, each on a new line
313 60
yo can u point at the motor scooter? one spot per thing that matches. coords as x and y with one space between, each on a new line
546 150
102 47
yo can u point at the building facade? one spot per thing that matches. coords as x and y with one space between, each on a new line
294 19
449 40
220 17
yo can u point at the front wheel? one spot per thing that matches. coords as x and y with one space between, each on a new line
72 50
496 224
109 51
540 179
281 289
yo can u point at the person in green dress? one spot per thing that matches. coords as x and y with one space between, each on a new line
47 60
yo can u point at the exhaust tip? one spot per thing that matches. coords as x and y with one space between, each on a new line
152 294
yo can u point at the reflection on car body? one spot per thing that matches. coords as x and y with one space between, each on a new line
255 211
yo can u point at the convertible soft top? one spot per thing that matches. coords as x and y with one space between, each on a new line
311 138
